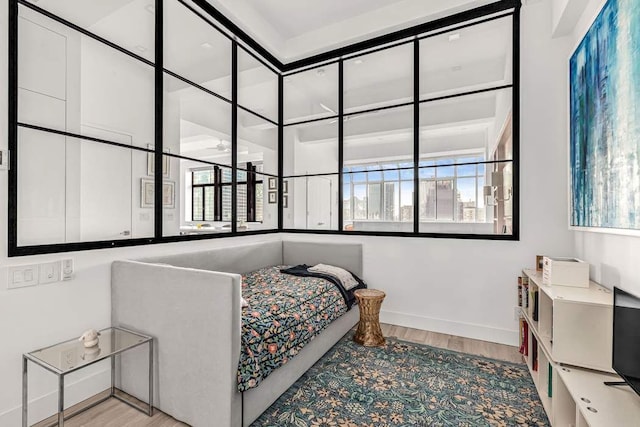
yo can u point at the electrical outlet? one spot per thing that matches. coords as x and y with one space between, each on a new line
67 269
49 272
22 276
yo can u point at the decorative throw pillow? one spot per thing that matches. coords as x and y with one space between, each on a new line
339 273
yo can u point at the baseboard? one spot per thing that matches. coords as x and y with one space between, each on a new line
41 407
461 329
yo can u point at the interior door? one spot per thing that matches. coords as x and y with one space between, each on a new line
106 191
318 203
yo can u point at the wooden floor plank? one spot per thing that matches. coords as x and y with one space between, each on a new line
113 413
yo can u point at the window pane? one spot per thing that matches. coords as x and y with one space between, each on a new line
445 200
198 204
467 199
466 170
379 79
427 200
226 205
74 190
472 58
195 50
196 124
209 203
359 201
311 148
379 137
391 201
203 176
458 205
311 94
129 24
427 172
380 204
257 142
193 198
469 129
73 83
374 201
257 86
391 175
254 212
478 123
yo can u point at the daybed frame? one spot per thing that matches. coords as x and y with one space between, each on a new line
190 303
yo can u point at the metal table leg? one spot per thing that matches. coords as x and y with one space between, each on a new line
60 400
151 378
25 393
113 375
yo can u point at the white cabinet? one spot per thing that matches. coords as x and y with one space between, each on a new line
567 347
574 325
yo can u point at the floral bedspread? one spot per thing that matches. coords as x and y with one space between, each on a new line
285 312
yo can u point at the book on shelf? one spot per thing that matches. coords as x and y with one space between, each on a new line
525 292
534 354
524 337
520 291
550 382
535 305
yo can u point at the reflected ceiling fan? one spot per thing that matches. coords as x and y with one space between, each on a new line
335 113
223 146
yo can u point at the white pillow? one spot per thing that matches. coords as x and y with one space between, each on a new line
339 273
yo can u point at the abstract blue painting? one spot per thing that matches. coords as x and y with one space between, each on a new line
605 121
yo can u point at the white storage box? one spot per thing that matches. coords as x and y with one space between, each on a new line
565 272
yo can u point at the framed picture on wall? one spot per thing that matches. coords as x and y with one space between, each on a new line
147 194
151 164
272 196
285 202
604 131
285 187
273 183
169 194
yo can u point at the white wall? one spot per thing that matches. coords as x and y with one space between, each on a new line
613 258
465 287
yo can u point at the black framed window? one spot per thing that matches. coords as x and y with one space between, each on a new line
161 102
211 195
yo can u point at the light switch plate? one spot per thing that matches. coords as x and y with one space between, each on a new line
21 276
49 272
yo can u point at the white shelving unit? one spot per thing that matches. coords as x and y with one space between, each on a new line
573 324
583 400
572 341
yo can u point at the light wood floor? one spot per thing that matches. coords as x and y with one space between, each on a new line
114 413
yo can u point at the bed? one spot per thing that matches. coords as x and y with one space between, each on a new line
205 365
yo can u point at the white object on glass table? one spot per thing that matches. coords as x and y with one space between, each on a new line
90 338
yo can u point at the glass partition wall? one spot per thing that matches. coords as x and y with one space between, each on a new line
415 134
420 131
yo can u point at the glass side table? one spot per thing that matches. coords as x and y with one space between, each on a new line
70 356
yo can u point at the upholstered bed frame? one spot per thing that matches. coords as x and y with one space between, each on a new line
191 304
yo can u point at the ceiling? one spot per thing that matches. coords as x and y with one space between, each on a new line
294 29
312 15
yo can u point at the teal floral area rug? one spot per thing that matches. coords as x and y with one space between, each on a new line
406 384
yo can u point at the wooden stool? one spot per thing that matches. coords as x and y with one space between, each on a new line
369 333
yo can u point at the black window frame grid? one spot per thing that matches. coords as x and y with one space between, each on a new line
241 40
218 185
